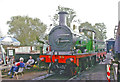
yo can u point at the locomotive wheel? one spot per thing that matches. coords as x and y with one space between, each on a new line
70 69
98 60
94 60
43 65
89 62
101 59
49 68
78 70
104 56
80 66
55 68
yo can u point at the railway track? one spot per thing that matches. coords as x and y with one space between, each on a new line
43 77
53 77
59 76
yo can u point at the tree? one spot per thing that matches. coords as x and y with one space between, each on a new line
101 31
86 27
69 18
27 30
98 28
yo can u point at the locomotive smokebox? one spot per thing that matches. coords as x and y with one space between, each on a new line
62 18
60 37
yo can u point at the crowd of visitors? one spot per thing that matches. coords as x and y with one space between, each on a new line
16 65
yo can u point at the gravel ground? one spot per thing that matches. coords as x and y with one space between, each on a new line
27 76
97 72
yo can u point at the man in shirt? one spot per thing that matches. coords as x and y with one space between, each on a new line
16 67
30 62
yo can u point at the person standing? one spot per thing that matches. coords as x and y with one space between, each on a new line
12 60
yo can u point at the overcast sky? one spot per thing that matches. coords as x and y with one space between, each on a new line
93 11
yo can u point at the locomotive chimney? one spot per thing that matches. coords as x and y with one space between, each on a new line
62 18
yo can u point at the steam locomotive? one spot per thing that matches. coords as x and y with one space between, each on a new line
71 52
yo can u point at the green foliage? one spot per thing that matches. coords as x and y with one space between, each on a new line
27 30
86 26
98 28
69 18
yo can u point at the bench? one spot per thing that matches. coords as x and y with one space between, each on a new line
20 72
2 67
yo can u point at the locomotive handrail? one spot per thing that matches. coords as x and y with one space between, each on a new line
60 41
64 34
85 53
81 53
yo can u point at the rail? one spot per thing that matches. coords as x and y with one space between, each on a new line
42 77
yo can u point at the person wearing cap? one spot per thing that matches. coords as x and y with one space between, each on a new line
16 67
